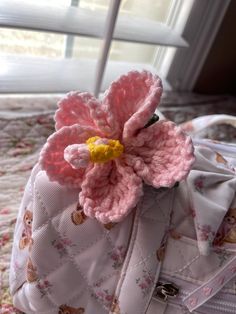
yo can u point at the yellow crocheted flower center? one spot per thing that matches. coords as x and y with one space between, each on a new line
104 152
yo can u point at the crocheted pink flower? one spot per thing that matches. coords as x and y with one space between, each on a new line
103 149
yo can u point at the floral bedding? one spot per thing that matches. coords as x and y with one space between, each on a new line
20 140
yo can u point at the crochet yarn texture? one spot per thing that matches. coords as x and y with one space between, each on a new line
104 150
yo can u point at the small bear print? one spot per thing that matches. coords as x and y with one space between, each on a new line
78 216
65 309
230 221
160 253
109 225
26 239
174 234
220 159
227 230
115 309
31 271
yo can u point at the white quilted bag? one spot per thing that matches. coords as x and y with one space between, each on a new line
173 251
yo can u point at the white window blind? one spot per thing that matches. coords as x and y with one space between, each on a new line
145 40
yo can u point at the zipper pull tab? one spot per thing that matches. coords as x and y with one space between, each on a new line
165 290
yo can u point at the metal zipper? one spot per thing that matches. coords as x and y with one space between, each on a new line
166 290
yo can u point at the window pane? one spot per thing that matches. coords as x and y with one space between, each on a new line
41 56
52 45
156 10
132 52
94 4
54 3
44 44
31 43
86 48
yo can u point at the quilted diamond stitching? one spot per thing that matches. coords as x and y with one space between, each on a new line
53 217
134 240
70 272
80 235
49 218
97 276
90 288
71 257
105 234
143 259
129 252
184 264
193 265
47 296
42 244
40 174
158 209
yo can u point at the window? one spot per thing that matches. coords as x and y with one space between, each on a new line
62 45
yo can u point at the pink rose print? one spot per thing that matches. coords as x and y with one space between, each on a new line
61 245
199 184
21 147
117 255
192 212
145 282
4 239
5 211
205 232
104 296
9 309
44 287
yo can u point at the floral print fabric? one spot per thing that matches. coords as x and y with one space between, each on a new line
211 186
20 139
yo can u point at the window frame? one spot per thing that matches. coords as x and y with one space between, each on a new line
196 21
182 67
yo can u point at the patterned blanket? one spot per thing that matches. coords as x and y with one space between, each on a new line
20 141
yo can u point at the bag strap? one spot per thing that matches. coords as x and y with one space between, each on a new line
193 127
142 265
198 124
211 287
226 149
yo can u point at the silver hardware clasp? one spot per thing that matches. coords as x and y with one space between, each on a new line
163 291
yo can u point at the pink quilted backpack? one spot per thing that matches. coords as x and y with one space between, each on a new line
122 215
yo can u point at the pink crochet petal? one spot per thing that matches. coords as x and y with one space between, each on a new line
132 100
82 109
161 154
110 191
52 155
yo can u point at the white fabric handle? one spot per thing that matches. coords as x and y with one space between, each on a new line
196 125
226 149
